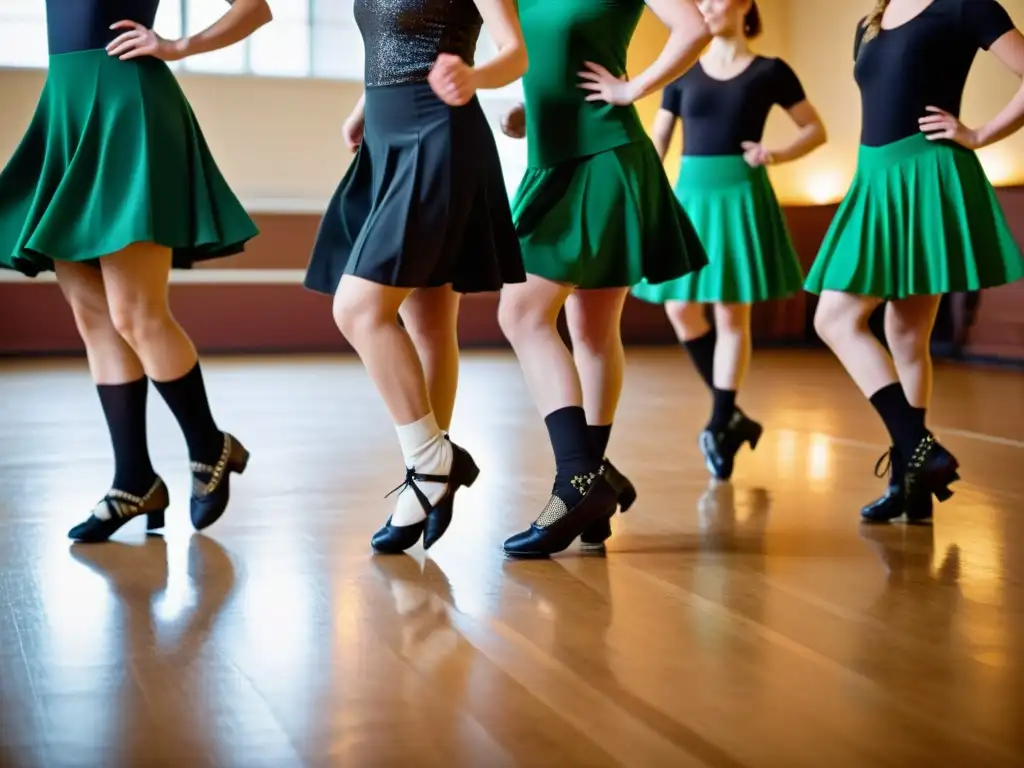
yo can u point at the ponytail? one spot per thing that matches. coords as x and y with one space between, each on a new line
873 22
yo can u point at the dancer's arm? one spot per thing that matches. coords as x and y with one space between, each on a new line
939 124
502 22
242 19
811 135
352 130
688 36
662 130
455 82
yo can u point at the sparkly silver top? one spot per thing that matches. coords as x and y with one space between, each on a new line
402 38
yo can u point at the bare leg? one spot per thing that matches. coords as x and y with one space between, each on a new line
367 315
528 314
136 285
431 318
841 321
136 281
908 329
111 359
733 345
692 329
120 380
595 318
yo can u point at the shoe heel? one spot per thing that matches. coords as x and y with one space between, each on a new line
155 520
465 469
243 460
755 436
627 498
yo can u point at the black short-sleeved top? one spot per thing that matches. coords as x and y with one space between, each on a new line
922 63
82 25
719 115
402 38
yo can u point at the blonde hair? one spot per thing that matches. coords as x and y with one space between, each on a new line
873 22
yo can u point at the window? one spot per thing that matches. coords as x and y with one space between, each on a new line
23 33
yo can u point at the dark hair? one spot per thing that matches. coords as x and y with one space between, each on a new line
752 21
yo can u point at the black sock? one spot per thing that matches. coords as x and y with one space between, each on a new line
905 423
124 405
723 408
599 437
574 451
702 353
186 397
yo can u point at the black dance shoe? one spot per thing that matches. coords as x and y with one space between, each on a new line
895 502
599 531
930 470
120 508
721 446
558 526
210 497
395 539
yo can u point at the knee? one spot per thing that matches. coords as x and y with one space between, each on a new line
595 335
136 317
519 317
907 341
688 320
732 321
834 322
92 316
358 313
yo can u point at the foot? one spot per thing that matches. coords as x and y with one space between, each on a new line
599 531
895 503
720 446
117 508
559 525
211 484
437 516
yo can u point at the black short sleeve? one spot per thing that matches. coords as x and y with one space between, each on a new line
786 85
985 21
672 97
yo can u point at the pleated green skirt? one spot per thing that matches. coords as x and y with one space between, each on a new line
114 156
737 216
605 221
920 218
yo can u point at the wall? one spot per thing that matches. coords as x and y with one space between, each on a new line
819 37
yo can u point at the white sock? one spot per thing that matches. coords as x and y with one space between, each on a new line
426 451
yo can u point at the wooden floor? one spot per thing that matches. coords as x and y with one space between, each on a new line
751 624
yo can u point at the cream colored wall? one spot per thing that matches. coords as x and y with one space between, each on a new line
820 48
278 141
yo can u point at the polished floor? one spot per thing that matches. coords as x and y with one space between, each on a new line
749 624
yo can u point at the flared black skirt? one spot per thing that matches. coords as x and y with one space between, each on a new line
423 203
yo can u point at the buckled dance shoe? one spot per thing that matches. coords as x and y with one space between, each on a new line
558 526
394 539
721 446
210 497
598 532
895 502
118 507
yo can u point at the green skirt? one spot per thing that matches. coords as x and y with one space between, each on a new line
607 220
114 156
734 210
919 219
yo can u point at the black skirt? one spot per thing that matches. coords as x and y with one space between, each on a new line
423 204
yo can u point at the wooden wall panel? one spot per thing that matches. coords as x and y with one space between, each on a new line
237 310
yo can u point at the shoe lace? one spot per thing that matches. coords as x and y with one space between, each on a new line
880 470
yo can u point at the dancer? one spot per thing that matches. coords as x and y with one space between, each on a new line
723 103
595 215
919 220
421 215
112 185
